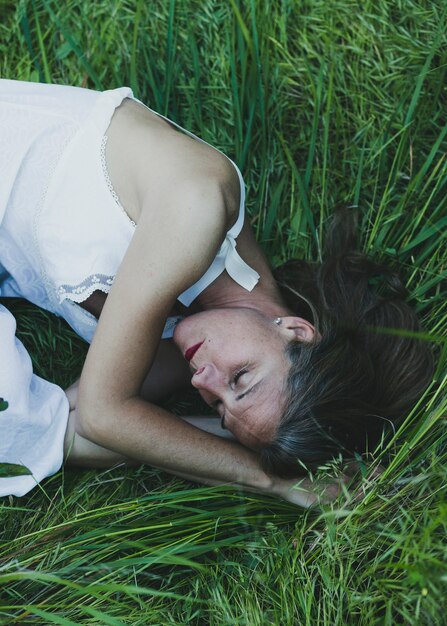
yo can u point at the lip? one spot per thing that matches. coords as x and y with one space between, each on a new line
190 352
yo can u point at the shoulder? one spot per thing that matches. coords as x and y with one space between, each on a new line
214 177
229 185
166 161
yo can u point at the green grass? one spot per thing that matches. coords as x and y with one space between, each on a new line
319 102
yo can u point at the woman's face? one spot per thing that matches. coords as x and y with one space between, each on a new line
240 366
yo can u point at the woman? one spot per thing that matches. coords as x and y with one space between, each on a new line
101 190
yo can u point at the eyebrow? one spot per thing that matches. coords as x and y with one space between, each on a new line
253 388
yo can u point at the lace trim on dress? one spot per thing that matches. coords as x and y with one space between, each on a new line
109 182
79 293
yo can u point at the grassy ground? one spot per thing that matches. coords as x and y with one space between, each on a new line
319 102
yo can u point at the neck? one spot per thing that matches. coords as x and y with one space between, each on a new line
225 293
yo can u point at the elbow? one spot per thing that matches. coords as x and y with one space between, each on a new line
84 422
80 414
90 422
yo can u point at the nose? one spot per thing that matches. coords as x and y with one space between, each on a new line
208 380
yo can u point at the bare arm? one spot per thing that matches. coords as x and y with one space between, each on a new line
81 452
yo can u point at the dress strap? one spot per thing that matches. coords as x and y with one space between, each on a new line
226 259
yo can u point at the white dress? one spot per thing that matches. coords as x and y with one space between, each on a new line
63 235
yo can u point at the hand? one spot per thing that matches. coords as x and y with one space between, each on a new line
309 491
306 492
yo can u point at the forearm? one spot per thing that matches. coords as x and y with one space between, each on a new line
148 433
81 452
210 425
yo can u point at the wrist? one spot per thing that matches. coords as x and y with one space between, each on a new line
262 482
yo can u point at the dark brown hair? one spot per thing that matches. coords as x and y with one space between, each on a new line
354 383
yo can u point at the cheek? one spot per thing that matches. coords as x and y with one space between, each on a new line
244 431
247 440
235 427
187 331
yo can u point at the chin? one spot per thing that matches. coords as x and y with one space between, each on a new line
186 331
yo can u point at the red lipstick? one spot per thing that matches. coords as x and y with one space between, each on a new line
190 352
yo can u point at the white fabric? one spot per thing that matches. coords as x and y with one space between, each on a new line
33 426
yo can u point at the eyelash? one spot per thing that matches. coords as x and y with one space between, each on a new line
240 373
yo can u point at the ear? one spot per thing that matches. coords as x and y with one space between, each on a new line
298 328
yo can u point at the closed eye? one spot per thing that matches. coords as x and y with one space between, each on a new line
239 374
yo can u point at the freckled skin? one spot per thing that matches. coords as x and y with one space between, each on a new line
241 367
